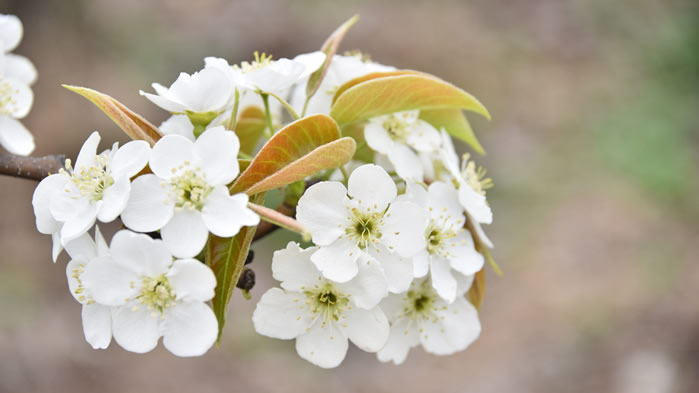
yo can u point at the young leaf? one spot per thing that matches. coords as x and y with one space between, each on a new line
250 127
226 257
133 124
477 292
398 93
300 149
329 48
454 121
368 77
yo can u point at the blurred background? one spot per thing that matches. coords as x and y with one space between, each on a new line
594 149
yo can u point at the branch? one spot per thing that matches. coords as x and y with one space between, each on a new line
33 168
265 228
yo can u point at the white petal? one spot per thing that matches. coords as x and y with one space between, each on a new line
338 261
208 90
424 137
136 331
442 279
140 253
66 202
398 271
80 223
407 163
225 214
150 205
217 155
372 186
164 102
22 98
114 200
368 329
108 282
97 325
393 306
192 280
443 200
481 234
463 283
130 159
57 246
185 234
170 152
404 228
463 256
73 269
10 32
83 248
323 345
20 68
323 211
41 200
312 61
178 125
88 153
189 329
453 330
293 267
403 336
14 137
282 315
377 137
475 204
421 263
368 287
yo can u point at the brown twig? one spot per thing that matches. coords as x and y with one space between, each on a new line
33 168
265 228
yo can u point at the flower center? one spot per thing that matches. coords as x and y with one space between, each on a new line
437 237
261 61
190 187
156 293
420 302
365 227
397 129
8 104
92 180
475 175
327 302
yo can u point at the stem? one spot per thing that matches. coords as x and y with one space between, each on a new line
281 220
234 114
305 106
268 115
33 168
286 105
344 174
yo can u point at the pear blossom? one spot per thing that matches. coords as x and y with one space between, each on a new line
399 136
17 73
187 196
67 204
97 318
421 317
154 296
322 314
368 223
450 248
274 76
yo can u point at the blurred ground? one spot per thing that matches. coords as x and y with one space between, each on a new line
594 150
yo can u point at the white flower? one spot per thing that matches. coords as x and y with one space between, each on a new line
202 95
319 313
368 223
420 316
17 73
186 196
397 136
274 76
154 296
342 69
67 204
450 247
470 180
97 318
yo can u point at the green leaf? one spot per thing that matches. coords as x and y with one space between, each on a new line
368 77
297 151
133 124
250 128
477 292
454 121
226 257
329 48
389 94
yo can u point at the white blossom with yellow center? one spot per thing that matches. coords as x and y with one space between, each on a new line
267 75
153 296
68 203
363 220
421 317
319 313
187 196
450 248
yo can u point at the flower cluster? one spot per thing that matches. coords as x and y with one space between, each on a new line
17 74
373 180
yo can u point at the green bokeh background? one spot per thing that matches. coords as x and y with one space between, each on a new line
594 149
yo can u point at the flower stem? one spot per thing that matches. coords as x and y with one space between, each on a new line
268 114
281 220
234 114
286 105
